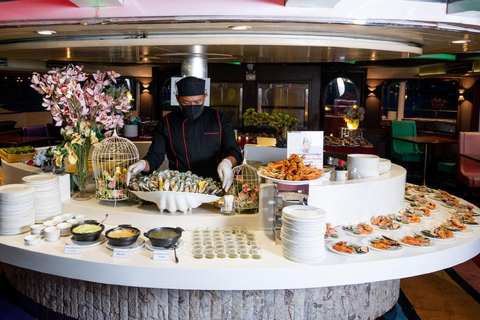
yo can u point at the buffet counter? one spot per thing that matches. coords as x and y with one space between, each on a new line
96 284
272 271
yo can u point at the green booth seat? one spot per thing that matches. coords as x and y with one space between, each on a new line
447 167
402 150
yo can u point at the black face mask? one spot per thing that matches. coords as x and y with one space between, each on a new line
192 111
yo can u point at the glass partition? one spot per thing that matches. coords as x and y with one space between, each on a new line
287 98
228 98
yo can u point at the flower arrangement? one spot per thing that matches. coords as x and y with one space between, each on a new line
112 186
86 108
246 193
353 115
83 106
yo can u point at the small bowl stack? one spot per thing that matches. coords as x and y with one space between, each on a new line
17 211
302 234
47 195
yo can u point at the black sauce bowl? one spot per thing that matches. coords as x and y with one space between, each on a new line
122 242
164 243
91 236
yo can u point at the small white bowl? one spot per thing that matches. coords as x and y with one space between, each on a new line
59 218
50 223
73 221
52 233
64 228
69 215
32 240
37 229
81 217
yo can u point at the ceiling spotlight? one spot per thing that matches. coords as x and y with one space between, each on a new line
46 32
239 27
461 41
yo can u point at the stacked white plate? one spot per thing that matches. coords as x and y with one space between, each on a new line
47 195
17 211
302 234
367 165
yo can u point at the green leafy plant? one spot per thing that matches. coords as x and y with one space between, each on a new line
279 121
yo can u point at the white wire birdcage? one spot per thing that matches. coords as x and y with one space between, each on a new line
110 161
245 187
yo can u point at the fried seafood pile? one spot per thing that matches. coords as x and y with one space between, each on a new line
292 168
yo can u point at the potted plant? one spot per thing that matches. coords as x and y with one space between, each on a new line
282 123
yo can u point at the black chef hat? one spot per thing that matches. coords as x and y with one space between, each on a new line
191 86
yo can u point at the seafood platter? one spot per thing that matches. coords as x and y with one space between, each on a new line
347 142
383 243
386 233
175 191
290 171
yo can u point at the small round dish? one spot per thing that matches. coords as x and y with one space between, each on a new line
348 230
336 235
139 243
368 243
466 232
430 245
116 238
330 246
32 240
148 244
158 239
291 182
86 236
86 244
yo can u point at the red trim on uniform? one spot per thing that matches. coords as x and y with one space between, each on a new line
186 152
171 144
211 133
220 148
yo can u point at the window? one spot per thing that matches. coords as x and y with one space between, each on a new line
432 99
339 94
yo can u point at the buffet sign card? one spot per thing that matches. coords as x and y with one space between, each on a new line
121 253
308 143
161 255
70 249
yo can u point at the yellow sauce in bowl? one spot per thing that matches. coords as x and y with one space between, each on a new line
122 233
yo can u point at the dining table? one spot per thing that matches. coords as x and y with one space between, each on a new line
474 157
426 141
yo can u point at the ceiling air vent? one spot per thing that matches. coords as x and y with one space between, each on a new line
3 62
460 67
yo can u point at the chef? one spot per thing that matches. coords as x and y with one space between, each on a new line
195 138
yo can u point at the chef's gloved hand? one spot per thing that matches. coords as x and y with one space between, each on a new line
134 169
225 173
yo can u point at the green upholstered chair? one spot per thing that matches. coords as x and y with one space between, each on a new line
402 150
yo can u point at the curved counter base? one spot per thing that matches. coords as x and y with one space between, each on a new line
89 300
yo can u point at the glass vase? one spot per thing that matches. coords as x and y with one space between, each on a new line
81 151
352 124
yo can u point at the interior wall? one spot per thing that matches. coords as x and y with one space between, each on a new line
24 119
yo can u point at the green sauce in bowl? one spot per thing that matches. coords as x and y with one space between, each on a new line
86 228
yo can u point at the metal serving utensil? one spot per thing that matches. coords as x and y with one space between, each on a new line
175 253
104 218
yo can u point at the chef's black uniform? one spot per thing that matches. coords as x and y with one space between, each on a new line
197 145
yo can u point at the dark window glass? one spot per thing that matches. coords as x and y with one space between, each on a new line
424 99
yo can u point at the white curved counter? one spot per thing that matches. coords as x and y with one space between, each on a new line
272 271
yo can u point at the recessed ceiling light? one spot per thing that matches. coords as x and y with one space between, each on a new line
239 27
461 41
46 32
